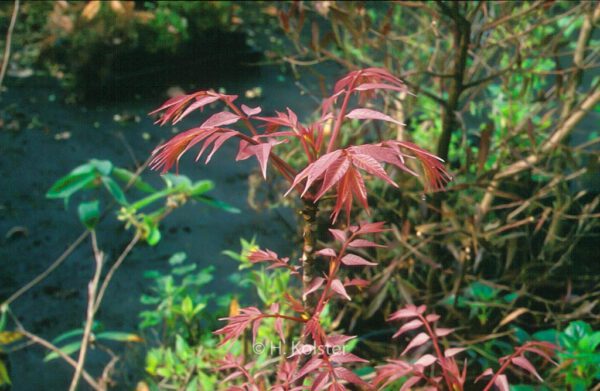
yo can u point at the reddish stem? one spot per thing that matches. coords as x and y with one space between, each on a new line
503 368
341 115
438 351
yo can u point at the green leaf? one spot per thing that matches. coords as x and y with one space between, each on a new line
549 335
119 336
104 167
182 270
4 378
154 235
187 306
182 349
89 213
115 190
67 335
127 176
149 300
201 187
67 349
70 184
217 204
177 258
154 274
173 180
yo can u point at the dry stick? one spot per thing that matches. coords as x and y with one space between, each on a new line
585 35
42 342
46 272
92 288
9 33
114 268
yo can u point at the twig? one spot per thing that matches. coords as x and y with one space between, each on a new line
92 289
114 268
9 33
49 270
42 342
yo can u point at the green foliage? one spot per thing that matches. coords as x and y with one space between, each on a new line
580 356
69 342
177 298
97 174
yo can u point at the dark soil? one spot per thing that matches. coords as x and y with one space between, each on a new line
42 138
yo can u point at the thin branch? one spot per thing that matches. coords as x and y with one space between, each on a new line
49 270
114 268
92 289
9 33
42 342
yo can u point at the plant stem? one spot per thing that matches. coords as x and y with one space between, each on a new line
9 33
92 288
438 351
341 115
462 36
309 214
114 268
40 341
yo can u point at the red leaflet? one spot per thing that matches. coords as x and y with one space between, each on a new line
270 256
412 325
522 362
358 282
220 119
355 260
388 373
175 109
315 284
237 324
371 228
371 114
340 168
453 352
261 151
410 311
361 243
342 358
417 341
349 376
249 111
338 288
198 104
338 234
425 360
168 154
442 332
326 252
310 366
367 78
410 382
